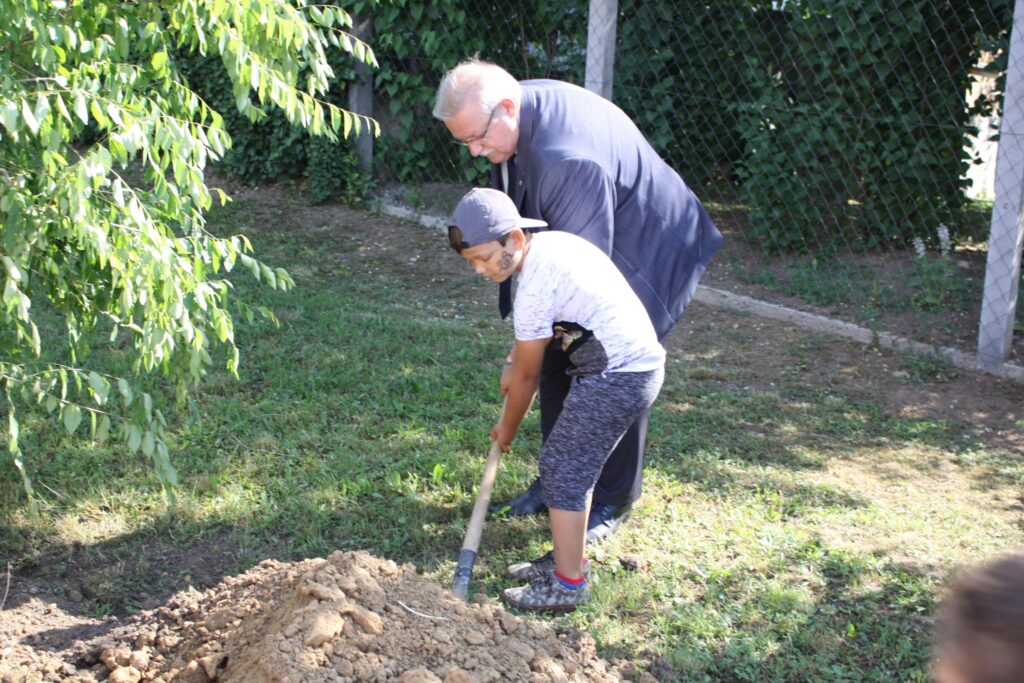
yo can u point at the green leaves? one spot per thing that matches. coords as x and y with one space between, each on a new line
9 117
16 302
134 437
81 107
104 150
13 431
29 117
841 121
71 416
100 387
102 431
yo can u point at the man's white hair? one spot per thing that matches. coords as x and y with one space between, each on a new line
482 83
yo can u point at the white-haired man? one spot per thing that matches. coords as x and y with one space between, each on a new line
576 161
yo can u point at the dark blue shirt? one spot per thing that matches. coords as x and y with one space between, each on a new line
583 166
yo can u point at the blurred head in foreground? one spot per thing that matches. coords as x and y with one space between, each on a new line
981 626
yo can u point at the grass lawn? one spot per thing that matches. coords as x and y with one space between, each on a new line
799 522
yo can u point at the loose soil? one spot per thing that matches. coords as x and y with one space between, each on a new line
186 613
350 617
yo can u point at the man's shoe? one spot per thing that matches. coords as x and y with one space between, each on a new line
605 520
530 503
546 594
534 569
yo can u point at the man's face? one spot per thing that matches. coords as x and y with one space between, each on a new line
492 260
494 137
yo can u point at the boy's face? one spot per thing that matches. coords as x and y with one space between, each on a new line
493 261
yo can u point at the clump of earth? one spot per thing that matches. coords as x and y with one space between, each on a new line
349 617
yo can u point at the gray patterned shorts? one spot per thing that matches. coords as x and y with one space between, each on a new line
596 413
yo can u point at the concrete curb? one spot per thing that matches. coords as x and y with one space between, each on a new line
737 302
405 213
721 299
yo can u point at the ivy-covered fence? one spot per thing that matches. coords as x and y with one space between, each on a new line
833 133
415 43
837 121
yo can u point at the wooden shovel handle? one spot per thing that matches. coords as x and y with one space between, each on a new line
467 557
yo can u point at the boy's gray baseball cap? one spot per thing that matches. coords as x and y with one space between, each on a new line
486 214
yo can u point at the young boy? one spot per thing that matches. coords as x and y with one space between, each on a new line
569 293
981 626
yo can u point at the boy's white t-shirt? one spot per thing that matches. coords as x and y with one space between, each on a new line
571 289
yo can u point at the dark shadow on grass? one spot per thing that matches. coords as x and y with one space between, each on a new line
868 622
136 571
883 633
98 586
705 428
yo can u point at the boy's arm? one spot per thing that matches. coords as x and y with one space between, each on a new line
523 377
506 373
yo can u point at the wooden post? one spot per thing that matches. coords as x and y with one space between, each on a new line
1002 272
360 100
601 27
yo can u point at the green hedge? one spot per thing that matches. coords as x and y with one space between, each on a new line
842 120
831 121
416 43
679 69
272 150
869 135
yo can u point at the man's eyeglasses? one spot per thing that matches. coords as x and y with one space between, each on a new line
482 136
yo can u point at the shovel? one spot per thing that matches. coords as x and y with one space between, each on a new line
467 556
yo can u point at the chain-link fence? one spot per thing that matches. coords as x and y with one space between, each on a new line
846 149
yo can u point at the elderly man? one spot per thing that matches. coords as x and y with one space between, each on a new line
576 161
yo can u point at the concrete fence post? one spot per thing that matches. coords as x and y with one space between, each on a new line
1002 272
601 26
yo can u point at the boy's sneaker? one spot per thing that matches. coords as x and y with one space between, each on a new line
528 571
546 594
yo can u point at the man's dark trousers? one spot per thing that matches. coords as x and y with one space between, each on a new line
621 479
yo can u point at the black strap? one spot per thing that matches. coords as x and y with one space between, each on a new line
505 298
505 288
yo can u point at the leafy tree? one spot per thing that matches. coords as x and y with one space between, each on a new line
103 145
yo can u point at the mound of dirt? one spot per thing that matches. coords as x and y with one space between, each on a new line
350 617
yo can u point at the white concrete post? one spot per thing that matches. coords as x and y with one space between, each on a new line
1002 272
601 27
